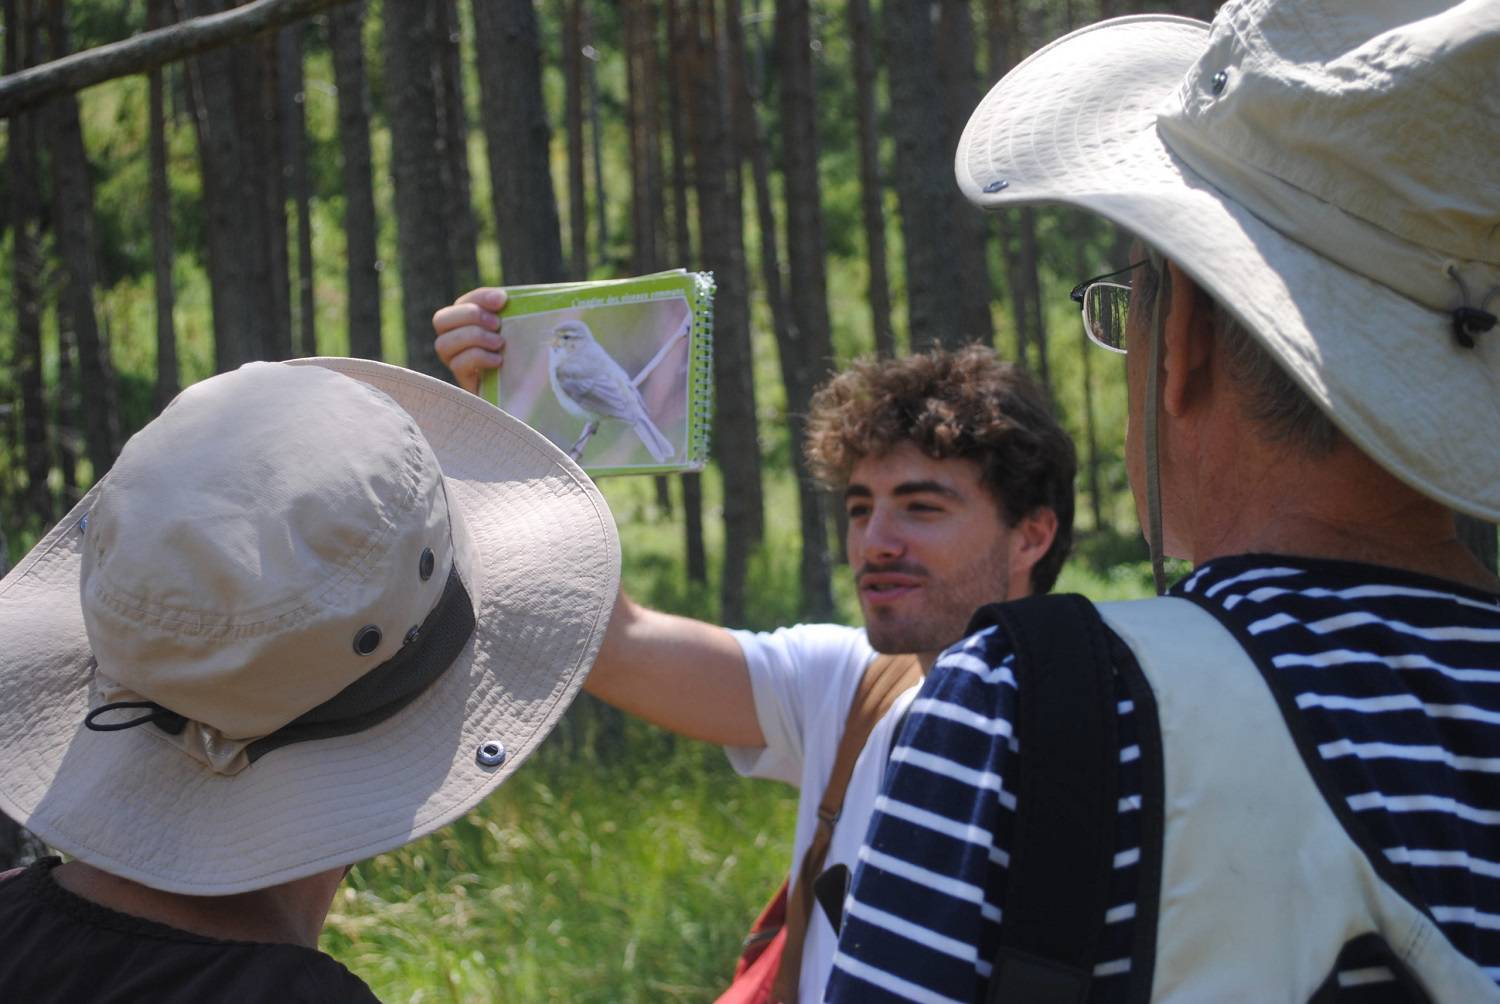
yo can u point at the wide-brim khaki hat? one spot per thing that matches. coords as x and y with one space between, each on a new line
1325 169
399 584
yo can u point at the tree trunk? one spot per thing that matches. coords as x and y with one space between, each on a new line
970 256
362 258
73 208
578 210
643 64
1020 26
1079 234
872 193
682 252
415 109
518 139
1003 47
267 117
735 442
463 227
227 97
168 381
291 102
26 271
591 70
1028 263
803 354
924 176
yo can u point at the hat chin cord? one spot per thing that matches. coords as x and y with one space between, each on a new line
1153 413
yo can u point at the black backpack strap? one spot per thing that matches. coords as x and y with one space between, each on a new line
1062 848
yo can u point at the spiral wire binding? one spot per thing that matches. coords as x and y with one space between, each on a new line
702 377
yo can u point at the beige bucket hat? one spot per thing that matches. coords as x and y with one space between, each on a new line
1326 169
315 610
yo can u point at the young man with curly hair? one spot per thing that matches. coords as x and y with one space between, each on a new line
958 484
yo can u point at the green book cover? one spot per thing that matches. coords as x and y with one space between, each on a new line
618 373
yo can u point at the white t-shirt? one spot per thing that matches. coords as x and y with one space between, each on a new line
804 679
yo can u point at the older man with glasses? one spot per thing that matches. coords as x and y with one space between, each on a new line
1286 783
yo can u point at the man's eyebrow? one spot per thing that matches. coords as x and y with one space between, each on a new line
928 487
857 491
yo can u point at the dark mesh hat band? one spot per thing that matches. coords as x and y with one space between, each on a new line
393 684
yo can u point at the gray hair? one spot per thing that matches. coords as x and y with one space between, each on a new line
1280 409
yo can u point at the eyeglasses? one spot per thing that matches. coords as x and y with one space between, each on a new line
1106 308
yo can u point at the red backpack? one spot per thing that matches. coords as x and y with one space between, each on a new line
771 962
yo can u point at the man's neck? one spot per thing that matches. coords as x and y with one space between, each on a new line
1342 506
290 913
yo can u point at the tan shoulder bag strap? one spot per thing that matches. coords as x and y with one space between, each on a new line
886 678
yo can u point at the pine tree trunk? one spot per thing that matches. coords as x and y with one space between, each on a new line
415 110
970 256
735 442
923 175
168 380
1079 234
227 98
266 119
802 354
346 38
682 253
1028 263
73 209
463 226
26 274
291 102
591 71
519 140
578 211
872 192
999 43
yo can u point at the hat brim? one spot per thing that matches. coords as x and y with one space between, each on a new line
1076 124
135 805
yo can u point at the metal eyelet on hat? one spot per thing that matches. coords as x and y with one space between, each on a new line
367 640
411 635
996 186
426 563
490 754
1220 81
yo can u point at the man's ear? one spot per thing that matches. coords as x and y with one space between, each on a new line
1030 540
1187 343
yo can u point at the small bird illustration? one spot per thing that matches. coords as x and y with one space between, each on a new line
590 384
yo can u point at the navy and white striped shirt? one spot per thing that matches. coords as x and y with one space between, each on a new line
1396 677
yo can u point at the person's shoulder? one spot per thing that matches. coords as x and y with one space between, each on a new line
327 979
816 642
283 974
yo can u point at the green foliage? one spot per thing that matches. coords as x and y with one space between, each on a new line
620 878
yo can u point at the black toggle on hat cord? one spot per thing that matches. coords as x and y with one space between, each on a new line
1469 322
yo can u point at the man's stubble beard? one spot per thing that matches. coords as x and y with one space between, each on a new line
948 604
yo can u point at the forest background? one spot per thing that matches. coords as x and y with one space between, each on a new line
322 185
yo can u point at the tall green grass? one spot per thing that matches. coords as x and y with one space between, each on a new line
588 878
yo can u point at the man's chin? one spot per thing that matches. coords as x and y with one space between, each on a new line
902 639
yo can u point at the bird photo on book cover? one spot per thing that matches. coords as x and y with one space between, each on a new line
607 384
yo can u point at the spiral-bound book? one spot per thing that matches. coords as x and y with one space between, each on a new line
618 373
